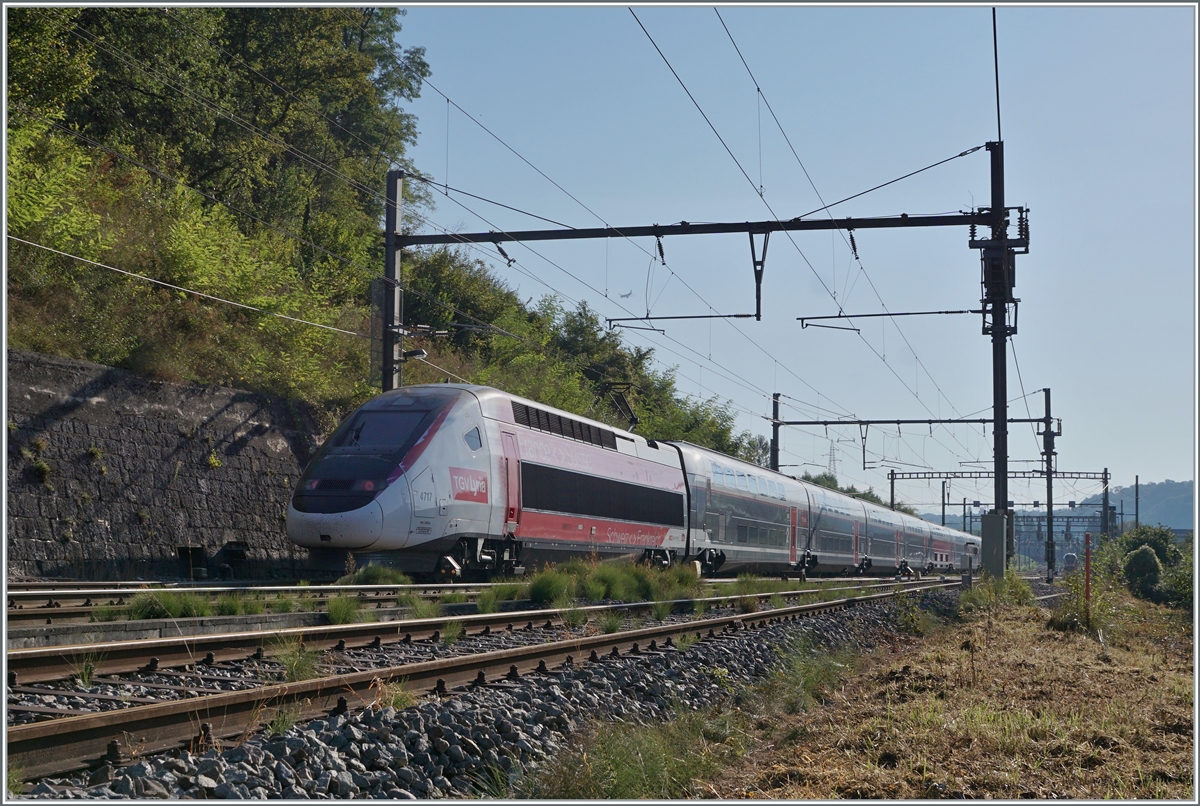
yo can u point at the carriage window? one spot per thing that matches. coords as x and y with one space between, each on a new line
741 533
718 476
729 481
771 488
782 497
753 482
473 440
741 482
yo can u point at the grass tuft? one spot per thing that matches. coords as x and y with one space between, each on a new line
299 662
343 610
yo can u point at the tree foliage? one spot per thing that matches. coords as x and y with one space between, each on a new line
241 153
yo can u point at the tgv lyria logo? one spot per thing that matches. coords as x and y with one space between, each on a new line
469 485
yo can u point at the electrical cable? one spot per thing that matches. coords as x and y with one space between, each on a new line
825 207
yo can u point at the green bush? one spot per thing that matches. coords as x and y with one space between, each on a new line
1142 572
1073 614
1176 584
1159 538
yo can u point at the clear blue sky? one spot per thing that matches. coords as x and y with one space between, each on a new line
1098 115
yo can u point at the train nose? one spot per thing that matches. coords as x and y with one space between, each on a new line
354 530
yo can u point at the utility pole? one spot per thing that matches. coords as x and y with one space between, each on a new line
943 502
1049 432
1136 493
1104 517
998 283
892 481
393 300
774 428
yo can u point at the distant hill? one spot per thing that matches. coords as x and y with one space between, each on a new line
1170 503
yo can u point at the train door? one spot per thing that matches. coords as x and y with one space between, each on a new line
856 542
897 533
512 483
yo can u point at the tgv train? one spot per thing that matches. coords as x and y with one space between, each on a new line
469 481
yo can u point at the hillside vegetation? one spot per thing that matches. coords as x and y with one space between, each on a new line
240 153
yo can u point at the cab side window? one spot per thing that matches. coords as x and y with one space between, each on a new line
473 439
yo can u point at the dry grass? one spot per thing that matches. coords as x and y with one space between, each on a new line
998 706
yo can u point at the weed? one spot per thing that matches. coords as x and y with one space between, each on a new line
424 608
550 585
27 455
13 779
95 454
1072 612
283 720
509 591
699 608
452 632
685 640
619 761
392 694
147 606
747 604
143 516
281 604
12 426
486 601
777 601
84 669
104 613
343 609
213 461
374 574
611 621
454 597
229 604
41 469
38 444
252 606
662 610
299 662
571 616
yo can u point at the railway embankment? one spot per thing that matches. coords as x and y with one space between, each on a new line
490 740
112 475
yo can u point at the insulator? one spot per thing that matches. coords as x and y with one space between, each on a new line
662 257
972 232
853 245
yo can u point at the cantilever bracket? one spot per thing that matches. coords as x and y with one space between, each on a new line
759 264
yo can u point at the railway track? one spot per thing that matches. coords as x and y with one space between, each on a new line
58 604
79 741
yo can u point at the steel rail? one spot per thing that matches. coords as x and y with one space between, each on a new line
46 664
77 742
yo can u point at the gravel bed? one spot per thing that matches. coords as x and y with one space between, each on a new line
241 675
456 746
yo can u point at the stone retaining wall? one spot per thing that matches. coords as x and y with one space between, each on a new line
112 475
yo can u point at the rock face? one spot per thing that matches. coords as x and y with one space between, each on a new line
111 473
481 742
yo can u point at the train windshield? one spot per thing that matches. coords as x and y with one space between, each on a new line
378 431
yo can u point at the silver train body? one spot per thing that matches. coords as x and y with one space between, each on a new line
470 481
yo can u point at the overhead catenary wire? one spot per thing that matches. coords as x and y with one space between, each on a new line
825 207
